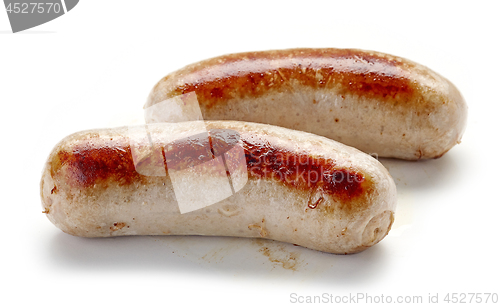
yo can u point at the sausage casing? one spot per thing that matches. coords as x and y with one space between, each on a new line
378 103
293 186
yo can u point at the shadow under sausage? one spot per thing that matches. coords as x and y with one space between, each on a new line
425 174
228 257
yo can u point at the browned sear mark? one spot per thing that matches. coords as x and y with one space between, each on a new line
94 160
117 226
251 74
301 171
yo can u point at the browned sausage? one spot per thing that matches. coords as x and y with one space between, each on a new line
378 103
274 183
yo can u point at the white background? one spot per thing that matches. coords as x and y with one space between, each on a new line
94 67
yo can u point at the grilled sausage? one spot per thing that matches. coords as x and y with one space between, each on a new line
378 103
263 181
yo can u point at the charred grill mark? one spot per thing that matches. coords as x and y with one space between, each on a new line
349 72
302 171
199 148
94 159
98 160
